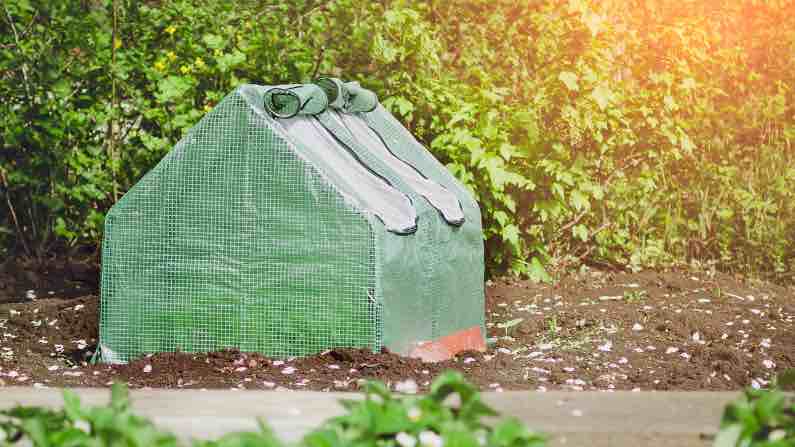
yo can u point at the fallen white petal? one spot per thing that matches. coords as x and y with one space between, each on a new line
608 346
408 386
404 439
769 364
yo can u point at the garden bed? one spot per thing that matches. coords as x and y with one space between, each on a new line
592 331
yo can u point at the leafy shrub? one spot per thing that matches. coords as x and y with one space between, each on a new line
639 134
380 419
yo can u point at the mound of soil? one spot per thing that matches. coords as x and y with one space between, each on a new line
593 331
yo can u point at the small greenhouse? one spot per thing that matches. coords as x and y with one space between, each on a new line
290 220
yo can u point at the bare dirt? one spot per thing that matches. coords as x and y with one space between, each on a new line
674 330
22 279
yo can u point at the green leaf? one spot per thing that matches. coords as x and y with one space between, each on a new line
570 79
512 433
391 419
404 106
451 382
502 218
374 388
537 273
457 434
579 201
728 436
36 431
594 22
173 87
323 438
213 41
687 144
509 324
508 151
72 437
72 406
688 83
62 88
670 102
580 231
770 406
602 95
251 439
230 60
119 397
510 233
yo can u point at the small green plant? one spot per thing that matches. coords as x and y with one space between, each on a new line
433 420
451 415
75 425
263 438
635 296
508 325
760 418
552 326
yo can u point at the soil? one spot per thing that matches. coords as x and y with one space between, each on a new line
674 330
25 279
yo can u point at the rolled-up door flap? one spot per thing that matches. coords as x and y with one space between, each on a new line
437 195
352 177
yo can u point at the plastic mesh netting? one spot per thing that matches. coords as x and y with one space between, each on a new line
288 232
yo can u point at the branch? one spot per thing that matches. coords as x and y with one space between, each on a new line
19 45
114 103
318 61
30 25
572 222
593 246
20 236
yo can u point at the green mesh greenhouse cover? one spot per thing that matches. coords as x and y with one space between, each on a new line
290 220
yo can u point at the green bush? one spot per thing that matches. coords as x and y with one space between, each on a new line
380 419
760 418
639 134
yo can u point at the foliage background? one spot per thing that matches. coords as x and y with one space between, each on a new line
639 133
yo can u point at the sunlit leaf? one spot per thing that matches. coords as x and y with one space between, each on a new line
602 95
570 79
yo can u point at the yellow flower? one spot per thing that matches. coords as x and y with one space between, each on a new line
171 56
171 29
207 107
199 63
117 43
218 52
184 69
160 66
